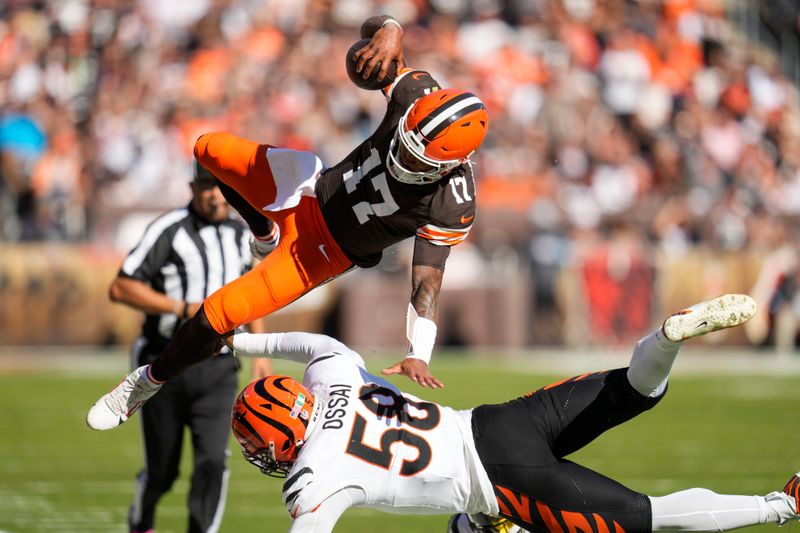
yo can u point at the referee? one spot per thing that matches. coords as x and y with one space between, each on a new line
184 256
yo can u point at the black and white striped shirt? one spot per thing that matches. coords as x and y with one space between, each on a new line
186 258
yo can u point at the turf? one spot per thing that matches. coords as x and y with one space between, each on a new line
733 433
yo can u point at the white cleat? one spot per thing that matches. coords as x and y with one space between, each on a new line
114 408
722 312
786 504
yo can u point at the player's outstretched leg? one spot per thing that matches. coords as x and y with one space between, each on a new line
481 523
654 354
704 510
117 406
194 341
723 312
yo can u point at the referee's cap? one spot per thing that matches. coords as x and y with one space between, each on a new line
202 176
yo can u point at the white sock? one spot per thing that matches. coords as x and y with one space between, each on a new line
651 363
705 510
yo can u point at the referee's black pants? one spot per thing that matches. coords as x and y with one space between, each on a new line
200 399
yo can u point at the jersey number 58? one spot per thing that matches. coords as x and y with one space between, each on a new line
383 456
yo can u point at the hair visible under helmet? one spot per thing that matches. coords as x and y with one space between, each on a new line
441 129
271 419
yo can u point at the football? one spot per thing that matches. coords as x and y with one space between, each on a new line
371 83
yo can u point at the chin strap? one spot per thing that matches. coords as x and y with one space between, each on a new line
421 333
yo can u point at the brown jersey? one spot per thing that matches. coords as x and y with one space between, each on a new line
367 210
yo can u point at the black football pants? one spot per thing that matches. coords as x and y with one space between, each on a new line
199 399
522 445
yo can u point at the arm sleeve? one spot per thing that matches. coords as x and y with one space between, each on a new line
324 517
452 214
300 347
430 254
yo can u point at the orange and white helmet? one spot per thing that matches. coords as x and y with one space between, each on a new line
438 132
271 419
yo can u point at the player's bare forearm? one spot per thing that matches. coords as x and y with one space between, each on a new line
426 281
385 46
139 295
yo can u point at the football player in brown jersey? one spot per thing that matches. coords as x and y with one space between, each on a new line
411 178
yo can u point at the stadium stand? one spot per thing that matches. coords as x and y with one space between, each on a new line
625 135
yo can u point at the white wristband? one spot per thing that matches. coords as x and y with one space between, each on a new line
421 333
387 21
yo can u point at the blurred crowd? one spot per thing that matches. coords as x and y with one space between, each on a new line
619 129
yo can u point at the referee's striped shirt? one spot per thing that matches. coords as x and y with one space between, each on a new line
186 258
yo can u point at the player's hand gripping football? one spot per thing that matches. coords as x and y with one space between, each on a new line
384 47
416 370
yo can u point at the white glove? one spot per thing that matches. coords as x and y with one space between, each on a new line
261 247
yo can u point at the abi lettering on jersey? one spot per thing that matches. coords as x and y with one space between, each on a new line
337 404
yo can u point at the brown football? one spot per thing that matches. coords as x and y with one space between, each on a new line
371 83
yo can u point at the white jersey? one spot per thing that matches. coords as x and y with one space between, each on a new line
403 454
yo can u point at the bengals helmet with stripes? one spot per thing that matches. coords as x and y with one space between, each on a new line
270 420
439 131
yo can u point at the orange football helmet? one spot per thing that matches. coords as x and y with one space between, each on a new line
439 132
270 420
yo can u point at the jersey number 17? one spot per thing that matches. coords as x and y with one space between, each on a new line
363 210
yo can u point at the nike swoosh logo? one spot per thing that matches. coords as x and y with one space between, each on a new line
322 249
417 75
464 219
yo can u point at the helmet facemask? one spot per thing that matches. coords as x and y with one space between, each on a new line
410 143
264 459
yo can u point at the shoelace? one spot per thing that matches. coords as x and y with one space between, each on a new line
116 398
129 389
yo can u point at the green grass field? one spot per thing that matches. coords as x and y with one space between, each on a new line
730 432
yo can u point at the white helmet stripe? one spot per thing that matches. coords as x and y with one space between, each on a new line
448 112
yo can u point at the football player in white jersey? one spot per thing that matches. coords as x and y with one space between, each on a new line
346 438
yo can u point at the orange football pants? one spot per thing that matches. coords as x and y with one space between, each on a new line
306 255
